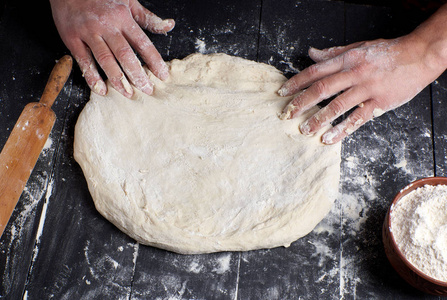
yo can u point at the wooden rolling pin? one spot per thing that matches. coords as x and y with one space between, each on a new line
27 139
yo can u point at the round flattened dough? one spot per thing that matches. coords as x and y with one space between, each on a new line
205 164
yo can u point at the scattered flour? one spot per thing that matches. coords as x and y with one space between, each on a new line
200 46
419 226
48 144
223 264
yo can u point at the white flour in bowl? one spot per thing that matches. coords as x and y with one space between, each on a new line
419 226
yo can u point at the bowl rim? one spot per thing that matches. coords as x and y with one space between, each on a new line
435 180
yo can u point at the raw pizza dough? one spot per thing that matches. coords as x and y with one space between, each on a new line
205 164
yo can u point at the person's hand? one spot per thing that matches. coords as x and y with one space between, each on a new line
374 77
108 31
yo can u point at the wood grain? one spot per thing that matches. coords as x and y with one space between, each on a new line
27 139
77 254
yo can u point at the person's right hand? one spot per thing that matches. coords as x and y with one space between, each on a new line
108 30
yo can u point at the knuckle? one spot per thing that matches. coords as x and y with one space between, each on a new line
144 44
313 70
91 23
296 103
351 56
120 11
358 70
117 80
104 57
124 52
84 61
366 90
366 44
355 120
316 122
292 85
71 40
320 87
336 107
92 79
140 80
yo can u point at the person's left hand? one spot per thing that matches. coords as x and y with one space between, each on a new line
375 76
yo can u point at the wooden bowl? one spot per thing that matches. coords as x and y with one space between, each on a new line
403 267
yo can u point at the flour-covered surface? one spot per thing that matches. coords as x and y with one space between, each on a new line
58 247
439 88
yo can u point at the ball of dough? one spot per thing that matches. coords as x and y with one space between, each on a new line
205 164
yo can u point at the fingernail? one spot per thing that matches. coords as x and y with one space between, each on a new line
287 112
164 73
328 137
315 49
283 116
332 135
317 54
148 88
163 26
283 91
128 90
100 88
377 112
305 128
170 23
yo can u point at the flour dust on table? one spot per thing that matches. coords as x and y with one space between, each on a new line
205 164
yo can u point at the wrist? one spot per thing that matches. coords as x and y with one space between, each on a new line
431 40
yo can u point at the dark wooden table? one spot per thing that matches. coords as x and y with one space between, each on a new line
57 246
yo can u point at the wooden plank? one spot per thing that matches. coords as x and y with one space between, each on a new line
439 91
18 241
89 270
379 159
27 140
288 30
23 77
62 261
309 267
78 253
166 275
207 27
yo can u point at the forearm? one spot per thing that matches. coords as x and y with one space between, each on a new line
431 38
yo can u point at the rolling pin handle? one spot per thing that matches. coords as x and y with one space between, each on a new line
56 82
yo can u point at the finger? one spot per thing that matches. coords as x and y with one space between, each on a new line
143 45
107 62
333 110
149 21
317 92
356 119
129 62
84 58
318 55
311 75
